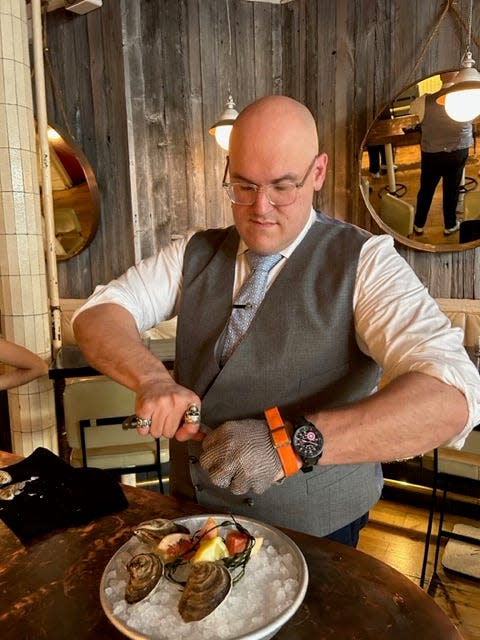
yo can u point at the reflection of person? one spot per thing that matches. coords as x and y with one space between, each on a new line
341 305
24 365
444 146
376 159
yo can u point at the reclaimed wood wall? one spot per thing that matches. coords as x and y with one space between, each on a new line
141 82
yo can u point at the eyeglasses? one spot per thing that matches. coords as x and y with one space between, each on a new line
278 193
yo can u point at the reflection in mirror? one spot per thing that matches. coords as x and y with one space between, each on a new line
75 194
390 178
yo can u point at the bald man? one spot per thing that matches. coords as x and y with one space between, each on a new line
296 425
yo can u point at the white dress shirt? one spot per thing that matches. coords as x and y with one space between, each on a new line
397 322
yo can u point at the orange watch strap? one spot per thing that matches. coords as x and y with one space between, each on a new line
281 441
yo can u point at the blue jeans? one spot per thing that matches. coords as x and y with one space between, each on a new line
349 534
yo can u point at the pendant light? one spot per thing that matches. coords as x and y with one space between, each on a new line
223 127
462 98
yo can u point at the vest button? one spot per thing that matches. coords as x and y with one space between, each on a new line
249 501
193 459
198 487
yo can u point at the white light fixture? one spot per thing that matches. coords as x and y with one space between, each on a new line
223 127
82 6
462 98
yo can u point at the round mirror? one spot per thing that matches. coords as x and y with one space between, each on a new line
76 200
390 171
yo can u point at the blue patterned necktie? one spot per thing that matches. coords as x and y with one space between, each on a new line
248 300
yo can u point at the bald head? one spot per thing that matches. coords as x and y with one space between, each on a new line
274 145
275 124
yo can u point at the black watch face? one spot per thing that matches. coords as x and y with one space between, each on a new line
308 442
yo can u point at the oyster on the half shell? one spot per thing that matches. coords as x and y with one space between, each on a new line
208 585
152 531
145 570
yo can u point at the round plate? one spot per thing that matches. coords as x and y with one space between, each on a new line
281 543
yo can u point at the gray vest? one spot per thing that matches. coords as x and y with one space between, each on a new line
300 354
441 133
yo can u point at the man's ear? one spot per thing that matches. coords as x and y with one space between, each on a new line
320 171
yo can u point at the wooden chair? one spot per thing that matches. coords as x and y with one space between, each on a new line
463 313
452 471
471 205
95 408
397 214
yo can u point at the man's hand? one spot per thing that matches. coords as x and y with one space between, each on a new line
109 339
239 455
165 402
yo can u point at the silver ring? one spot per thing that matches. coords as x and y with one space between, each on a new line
192 414
144 422
132 422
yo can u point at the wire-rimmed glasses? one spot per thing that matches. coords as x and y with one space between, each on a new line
278 193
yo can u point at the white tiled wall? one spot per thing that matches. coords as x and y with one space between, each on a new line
23 280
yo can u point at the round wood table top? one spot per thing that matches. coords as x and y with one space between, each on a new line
49 587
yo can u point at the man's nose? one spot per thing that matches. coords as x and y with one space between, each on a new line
262 203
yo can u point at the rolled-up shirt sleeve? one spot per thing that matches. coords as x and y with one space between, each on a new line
150 290
401 327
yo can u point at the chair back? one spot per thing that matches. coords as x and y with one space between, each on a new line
94 410
463 313
471 205
397 214
93 399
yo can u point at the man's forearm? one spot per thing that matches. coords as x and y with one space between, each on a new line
109 339
409 416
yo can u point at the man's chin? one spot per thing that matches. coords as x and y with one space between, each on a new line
263 239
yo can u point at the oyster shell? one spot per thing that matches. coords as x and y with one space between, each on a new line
9 493
145 570
208 585
152 531
5 477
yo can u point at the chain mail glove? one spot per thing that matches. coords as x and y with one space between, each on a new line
239 455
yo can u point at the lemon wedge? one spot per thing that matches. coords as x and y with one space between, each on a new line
256 546
210 550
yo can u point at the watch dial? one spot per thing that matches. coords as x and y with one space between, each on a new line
308 441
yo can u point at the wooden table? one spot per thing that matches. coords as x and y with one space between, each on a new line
393 132
50 587
70 361
399 131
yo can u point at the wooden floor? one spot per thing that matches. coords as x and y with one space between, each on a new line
395 535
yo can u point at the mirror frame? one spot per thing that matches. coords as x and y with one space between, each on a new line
78 157
404 240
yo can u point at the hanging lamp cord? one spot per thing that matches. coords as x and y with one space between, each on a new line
227 3
449 6
468 27
445 9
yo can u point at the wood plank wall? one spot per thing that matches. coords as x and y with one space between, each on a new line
142 82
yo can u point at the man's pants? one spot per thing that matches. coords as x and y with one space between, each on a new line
350 533
447 165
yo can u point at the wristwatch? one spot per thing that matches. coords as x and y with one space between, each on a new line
307 442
